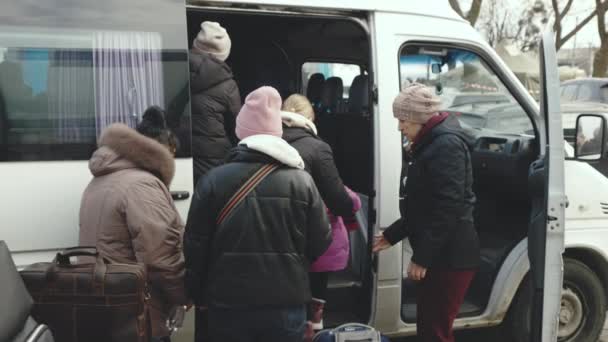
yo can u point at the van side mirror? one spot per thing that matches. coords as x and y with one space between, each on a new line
590 137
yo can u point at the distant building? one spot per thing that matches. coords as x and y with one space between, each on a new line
579 57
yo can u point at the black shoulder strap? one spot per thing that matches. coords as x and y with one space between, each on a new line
244 190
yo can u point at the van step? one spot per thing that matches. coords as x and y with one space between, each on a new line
467 309
343 279
332 319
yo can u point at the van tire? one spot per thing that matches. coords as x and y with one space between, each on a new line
582 290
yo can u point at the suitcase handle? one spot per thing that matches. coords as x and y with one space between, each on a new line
63 257
99 271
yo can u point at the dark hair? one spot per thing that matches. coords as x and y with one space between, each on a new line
153 125
153 122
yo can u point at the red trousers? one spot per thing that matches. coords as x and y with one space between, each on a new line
439 296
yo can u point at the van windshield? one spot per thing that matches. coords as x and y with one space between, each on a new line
466 86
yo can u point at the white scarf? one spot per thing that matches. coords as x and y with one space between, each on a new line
275 147
296 120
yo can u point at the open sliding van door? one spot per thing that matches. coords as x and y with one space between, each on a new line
546 182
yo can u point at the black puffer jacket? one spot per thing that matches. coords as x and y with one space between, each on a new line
260 254
319 162
437 210
215 104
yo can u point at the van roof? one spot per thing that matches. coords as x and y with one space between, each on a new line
434 8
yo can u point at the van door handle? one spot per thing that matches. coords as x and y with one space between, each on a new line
374 262
180 195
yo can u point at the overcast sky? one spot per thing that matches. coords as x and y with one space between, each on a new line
580 8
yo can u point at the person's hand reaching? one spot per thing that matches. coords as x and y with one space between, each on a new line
416 272
380 243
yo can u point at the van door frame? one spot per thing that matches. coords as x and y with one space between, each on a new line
389 262
547 254
358 17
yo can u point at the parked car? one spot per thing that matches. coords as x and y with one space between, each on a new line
585 90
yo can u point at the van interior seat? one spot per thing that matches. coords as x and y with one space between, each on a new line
331 95
314 89
354 144
494 249
348 133
358 95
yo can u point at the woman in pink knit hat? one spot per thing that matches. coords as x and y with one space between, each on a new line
251 268
439 201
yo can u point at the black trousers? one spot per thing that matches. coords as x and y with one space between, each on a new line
201 325
318 284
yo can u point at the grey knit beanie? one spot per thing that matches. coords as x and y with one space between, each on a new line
416 103
212 39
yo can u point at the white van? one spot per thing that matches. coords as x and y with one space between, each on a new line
69 69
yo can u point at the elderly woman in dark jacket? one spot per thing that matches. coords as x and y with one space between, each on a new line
437 212
215 98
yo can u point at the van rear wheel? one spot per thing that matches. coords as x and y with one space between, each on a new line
583 306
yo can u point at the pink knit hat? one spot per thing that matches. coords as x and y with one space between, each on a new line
416 103
261 114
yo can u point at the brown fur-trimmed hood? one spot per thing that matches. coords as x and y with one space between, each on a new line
121 147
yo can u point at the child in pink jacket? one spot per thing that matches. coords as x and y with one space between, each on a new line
333 260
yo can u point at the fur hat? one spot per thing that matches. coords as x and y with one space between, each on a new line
212 39
416 103
261 114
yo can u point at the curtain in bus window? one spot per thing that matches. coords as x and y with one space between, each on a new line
71 101
128 76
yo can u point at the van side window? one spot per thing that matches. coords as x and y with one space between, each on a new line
61 86
331 81
467 86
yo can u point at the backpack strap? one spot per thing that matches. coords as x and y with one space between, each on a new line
244 190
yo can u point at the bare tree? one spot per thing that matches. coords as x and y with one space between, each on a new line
472 15
560 14
497 23
531 25
600 62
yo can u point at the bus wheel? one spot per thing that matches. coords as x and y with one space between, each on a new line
583 306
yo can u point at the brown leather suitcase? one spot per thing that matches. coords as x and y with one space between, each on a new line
90 302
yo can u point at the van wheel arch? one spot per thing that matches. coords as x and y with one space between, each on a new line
583 287
592 259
